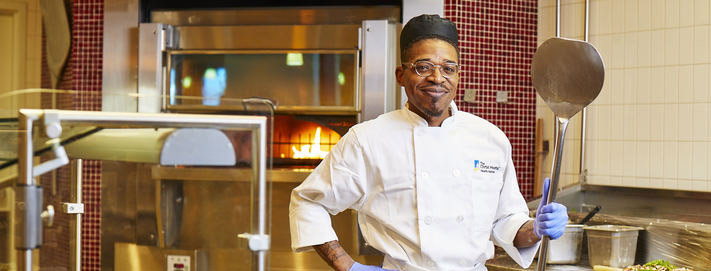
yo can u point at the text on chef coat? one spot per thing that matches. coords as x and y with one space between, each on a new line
485 167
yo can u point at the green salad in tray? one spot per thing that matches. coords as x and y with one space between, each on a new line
657 265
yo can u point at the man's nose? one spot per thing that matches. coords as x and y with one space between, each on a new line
436 76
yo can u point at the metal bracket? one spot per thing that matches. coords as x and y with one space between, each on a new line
257 242
53 129
583 178
73 208
60 159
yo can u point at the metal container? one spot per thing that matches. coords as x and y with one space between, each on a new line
612 245
567 248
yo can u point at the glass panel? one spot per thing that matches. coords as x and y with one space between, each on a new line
148 211
288 78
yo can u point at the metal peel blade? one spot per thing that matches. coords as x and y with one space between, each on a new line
568 74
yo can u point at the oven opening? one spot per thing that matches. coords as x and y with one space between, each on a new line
303 141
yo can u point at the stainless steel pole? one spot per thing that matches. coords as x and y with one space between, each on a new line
77 228
24 179
557 18
584 113
561 126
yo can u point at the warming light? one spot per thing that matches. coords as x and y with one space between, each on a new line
187 82
311 151
294 59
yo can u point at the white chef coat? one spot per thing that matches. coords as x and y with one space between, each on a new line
429 198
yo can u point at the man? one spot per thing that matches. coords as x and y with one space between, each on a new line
435 188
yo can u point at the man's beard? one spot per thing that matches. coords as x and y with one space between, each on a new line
432 113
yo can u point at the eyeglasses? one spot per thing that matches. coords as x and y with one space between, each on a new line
425 68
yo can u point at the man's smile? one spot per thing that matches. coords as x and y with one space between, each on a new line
434 91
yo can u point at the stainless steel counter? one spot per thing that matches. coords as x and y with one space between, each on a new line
502 262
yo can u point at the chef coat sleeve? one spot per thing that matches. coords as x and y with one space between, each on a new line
335 185
511 214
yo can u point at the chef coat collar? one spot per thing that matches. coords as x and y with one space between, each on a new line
419 121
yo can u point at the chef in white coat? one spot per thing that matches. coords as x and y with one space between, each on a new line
434 187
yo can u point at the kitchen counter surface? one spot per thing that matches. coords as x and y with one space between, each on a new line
505 263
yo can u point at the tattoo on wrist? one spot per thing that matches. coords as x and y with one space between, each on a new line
332 253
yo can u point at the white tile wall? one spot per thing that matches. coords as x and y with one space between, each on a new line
671 46
701 9
644 48
631 16
658 47
657 7
701 43
672 13
686 7
643 85
651 125
686 45
686 84
604 17
701 83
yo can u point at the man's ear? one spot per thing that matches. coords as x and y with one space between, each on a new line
399 75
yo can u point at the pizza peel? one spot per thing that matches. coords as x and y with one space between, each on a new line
568 74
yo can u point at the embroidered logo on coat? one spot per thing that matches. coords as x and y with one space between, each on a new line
485 167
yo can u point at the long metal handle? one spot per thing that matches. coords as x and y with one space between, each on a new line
561 125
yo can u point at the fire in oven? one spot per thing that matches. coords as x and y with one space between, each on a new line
314 93
302 141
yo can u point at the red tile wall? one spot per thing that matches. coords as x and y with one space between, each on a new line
82 75
86 61
56 246
497 39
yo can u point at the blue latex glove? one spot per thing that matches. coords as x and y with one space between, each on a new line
359 267
550 218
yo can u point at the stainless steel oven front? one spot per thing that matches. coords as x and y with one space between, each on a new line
325 70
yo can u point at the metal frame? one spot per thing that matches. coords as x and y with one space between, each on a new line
327 110
378 44
28 238
304 15
325 36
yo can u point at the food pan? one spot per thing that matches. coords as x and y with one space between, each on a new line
612 245
566 249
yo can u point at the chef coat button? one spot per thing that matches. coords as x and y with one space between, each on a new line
428 220
425 175
463 262
456 173
430 263
460 219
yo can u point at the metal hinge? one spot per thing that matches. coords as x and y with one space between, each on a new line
73 208
171 36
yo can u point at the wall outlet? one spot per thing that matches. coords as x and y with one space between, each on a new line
470 95
502 96
178 263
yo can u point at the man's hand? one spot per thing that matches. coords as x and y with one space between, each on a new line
359 267
550 218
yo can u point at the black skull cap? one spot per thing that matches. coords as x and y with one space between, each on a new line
428 26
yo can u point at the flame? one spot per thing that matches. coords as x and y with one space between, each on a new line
310 151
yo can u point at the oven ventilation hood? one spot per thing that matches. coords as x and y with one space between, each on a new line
166 146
